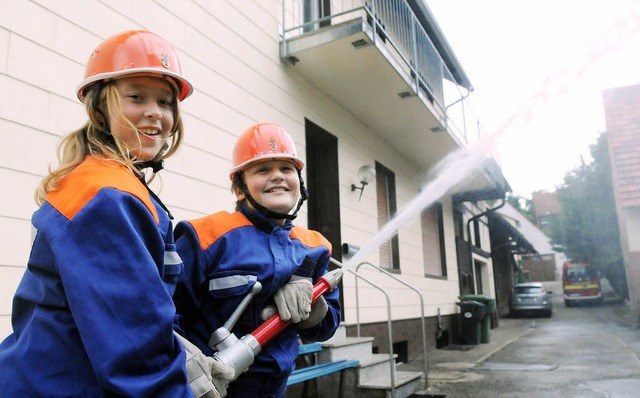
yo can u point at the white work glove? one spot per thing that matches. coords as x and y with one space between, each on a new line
207 377
293 301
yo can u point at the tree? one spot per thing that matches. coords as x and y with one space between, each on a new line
523 205
587 227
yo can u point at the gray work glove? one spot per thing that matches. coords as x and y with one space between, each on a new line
207 377
316 315
318 311
293 301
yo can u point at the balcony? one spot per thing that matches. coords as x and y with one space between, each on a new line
388 64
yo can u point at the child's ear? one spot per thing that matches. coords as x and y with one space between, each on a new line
239 194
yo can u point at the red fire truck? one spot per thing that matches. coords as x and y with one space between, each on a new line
580 283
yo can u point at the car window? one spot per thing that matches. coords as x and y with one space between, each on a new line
527 290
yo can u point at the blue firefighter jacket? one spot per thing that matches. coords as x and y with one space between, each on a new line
92 316
224 255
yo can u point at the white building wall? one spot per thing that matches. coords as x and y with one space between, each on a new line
632 223
229 50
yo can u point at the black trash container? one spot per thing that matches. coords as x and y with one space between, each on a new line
471 316
487 322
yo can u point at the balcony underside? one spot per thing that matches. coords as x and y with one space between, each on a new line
373 84
367 82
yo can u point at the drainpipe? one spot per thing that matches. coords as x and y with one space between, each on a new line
477 216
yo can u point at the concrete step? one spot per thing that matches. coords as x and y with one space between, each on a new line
340 333
406 383
378 366
372 379
359 348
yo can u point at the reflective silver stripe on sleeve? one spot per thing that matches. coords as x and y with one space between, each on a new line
172 258
34 233
228 282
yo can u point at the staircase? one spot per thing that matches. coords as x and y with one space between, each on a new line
372 379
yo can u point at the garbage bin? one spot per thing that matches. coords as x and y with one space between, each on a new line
471 315
491 310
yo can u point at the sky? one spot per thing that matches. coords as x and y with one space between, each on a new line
539 69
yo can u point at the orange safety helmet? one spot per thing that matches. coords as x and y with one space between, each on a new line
263 141
134 52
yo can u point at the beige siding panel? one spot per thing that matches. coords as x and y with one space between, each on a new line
356 215
208 138
65 115
74 43
5 324
15 242
189 194
29 20
632 226
23 103
202 166
4 50
211 110
18 201
33 64
252 80
97 17
9 280
182 214
52 30
39 145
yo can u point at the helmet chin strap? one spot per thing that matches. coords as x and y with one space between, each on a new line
304 195
155 165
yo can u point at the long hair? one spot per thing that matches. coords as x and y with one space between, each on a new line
95 138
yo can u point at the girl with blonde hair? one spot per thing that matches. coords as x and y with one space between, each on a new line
93 315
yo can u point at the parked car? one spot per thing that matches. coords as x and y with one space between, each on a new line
530 297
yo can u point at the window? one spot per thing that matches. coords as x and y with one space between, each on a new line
476 234
435 262
527 290
478 268
386 200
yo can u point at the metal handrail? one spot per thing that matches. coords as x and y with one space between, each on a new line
422 319
392 376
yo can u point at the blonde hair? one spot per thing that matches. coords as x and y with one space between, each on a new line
93 139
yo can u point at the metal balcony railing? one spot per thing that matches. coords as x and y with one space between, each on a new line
394 23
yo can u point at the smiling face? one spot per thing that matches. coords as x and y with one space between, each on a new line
274 184
147 105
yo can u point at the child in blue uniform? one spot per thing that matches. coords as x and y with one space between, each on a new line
93 315
225 254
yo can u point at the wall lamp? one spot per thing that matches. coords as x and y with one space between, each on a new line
366 175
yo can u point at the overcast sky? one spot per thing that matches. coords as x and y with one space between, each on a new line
539 68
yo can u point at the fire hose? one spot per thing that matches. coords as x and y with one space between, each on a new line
239 354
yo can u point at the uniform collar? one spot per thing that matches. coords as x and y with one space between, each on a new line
261 221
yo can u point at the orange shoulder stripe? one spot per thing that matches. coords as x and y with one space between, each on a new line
309 237
213 226
92 175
